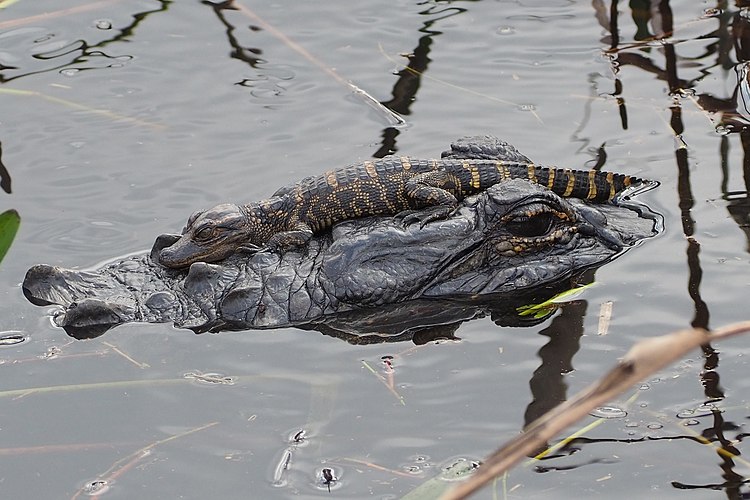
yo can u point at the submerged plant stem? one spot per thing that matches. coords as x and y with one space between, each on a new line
124 464
80 107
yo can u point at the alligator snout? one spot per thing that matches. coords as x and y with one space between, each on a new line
173 250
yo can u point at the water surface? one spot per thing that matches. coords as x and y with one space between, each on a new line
121 118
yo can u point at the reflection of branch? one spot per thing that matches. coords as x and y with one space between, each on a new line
4 174
458 87
80 46
263 24
644 358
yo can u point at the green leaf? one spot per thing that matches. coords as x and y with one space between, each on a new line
4 4
548 307
9 222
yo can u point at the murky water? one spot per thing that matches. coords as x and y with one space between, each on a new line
121 118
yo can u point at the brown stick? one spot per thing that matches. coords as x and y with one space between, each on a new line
643 359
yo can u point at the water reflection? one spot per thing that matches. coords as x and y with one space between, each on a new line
248 55
78 55
426 320
404 91
4 174
548 386
654 22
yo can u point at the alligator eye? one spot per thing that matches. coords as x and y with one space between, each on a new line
204 233
531 226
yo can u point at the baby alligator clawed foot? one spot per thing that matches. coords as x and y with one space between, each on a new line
425 216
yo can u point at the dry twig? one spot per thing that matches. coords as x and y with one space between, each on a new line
644 358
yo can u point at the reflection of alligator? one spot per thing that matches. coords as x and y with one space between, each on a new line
366 275
381 187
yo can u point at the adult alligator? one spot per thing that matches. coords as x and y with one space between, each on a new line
367 274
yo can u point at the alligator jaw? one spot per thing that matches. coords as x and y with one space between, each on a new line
185 251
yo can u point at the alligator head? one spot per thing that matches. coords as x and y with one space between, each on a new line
209 236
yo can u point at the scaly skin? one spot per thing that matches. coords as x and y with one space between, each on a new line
380 187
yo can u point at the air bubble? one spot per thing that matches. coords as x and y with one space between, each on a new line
712 12
11 338
103 24
96 487
608 412
703 410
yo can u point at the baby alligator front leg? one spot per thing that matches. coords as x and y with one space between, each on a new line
298 236
432 193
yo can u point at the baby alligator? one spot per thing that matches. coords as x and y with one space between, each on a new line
380 187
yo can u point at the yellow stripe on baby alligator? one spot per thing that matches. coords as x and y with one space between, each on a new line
611 182
371 170
503 170
592 185
474 172
550 178
405 163
331 179
532 173
571 182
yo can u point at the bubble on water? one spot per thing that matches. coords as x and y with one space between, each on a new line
412 469
506 30
608 412
327 478
722 130
45 38
655 426
712 12
103 24
703 410
210 378
69 72
692 421
526 107
96 487
11 337
644 387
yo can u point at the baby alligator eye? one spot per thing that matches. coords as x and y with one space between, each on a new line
204 233
531 225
